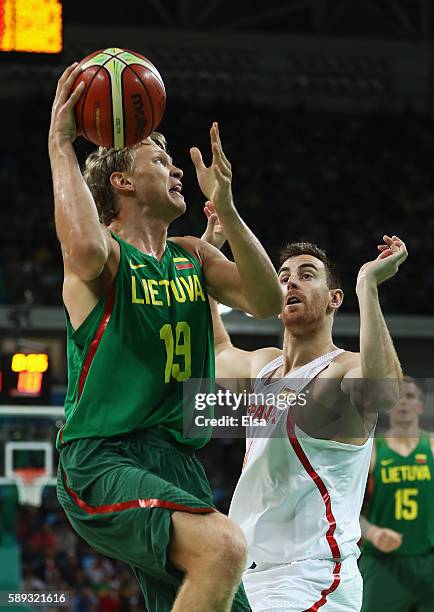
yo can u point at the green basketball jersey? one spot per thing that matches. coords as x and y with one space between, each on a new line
403 496
128 360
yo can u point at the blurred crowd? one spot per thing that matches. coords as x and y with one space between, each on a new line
338 180
55 558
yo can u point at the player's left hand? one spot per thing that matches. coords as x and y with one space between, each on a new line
214 233
211 177
392 253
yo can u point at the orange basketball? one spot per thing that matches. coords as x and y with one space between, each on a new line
123 101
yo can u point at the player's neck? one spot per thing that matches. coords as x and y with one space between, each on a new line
404 434
301 349
149 235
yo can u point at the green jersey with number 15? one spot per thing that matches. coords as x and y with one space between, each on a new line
402 496
128 360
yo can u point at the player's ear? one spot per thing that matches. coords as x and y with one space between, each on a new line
121 181
336 298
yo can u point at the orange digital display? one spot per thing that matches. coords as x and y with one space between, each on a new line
24 378
29 383
33 362
34 26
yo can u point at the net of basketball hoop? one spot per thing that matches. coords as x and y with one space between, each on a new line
30 484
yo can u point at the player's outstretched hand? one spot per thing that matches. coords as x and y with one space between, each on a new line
392 253
62 126
384 539
214 233
214 180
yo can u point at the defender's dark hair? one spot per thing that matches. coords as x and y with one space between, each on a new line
293 249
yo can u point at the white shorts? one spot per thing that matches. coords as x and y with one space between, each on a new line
305 586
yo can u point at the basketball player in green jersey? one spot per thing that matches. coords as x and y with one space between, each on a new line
139 324
397 563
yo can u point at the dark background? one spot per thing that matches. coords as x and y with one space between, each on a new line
325 111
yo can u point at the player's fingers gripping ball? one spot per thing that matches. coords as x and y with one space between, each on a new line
123 101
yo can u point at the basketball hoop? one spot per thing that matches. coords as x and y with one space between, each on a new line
30 484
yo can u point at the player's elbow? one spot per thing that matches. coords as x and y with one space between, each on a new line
377 395
266 309
389 396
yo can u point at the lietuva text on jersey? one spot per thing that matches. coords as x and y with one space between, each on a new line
405 473
163 292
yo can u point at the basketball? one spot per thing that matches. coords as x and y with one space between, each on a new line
123 101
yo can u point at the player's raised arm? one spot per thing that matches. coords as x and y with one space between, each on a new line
231 362
378 364
85 242
251 284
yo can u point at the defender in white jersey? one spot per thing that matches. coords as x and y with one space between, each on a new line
299 496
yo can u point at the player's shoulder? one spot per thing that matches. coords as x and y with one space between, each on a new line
262 357
344 362
191 244
347 357
430 436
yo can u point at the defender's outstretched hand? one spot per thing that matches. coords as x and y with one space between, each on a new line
392 253
214 180
214 233
62 127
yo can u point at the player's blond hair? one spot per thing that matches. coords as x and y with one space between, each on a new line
101 164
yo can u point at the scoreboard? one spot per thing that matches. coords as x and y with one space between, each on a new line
34 26
24 378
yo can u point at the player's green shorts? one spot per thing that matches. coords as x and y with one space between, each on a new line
397 583
119 495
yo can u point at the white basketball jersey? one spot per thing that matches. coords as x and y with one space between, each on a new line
298 497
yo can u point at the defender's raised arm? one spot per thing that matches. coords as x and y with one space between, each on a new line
378 364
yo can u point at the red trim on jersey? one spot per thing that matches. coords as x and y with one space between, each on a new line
319 484
97 338
370 485
246 456
334 585
133 503
185 266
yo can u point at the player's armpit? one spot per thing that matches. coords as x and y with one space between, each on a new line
233 368
86 259
240 368
232 362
